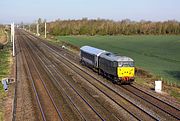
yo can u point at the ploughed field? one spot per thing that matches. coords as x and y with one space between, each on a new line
160 55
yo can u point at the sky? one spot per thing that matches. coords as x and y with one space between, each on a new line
29 11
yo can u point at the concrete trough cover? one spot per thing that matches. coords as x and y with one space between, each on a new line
4 82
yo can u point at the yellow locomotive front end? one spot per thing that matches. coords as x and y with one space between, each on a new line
126 72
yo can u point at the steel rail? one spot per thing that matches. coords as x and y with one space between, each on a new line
52 100
60 75
33 85
71 63
169 109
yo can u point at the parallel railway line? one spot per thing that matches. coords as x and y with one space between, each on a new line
48 113
40 57
22 105
41 54
162 105
167 108
171 110
52 61
135 114
34 88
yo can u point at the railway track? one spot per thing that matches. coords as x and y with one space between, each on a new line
47 113
114 99
55 58
41 56
54 72
22 104
134 114
169 109
162 105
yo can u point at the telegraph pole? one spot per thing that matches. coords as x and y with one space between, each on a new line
45 29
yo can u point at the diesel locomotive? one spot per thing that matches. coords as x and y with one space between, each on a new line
119 69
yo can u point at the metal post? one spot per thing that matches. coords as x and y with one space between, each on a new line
45 29
13 33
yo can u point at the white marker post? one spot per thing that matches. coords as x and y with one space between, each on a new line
45 30
13 33
158 86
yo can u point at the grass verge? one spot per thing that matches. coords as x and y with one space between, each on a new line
5 60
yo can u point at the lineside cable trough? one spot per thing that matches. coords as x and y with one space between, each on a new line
5 82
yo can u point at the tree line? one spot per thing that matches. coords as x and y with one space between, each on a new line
110 27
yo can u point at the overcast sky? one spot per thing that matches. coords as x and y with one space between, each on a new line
30 10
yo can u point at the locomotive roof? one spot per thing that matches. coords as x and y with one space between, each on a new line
114 57
92 50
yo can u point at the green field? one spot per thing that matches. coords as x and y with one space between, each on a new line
160 55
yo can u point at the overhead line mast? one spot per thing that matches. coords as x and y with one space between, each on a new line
45 29
12 37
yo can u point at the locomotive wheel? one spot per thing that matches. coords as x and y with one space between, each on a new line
119 82
116 81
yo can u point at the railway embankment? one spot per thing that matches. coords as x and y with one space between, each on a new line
6 70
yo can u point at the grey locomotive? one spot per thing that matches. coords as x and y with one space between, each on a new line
120 69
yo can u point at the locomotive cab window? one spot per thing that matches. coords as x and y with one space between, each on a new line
126 64
131 64
120 64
